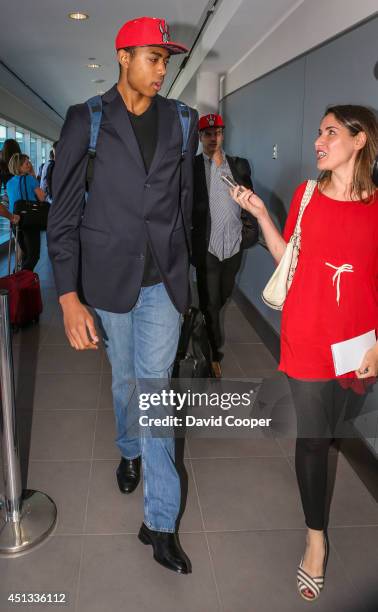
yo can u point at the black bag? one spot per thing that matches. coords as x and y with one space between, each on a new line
193 354
250 232
32 213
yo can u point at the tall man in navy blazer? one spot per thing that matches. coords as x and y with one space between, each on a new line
126 254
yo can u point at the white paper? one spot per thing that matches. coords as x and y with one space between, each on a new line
348 355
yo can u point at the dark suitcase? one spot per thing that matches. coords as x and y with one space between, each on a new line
193 354
25 300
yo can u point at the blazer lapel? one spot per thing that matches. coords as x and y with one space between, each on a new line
166 119
201 176
234 171
116 112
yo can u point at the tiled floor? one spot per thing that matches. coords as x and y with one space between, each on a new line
242 528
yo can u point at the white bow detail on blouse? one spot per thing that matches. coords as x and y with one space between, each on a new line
336 277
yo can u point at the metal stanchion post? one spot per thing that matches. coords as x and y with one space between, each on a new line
27 516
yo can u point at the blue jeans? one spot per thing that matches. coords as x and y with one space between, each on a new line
141 344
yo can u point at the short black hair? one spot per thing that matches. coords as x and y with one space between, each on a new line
216 127
130 50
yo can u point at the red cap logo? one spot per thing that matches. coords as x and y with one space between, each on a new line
164 29
209 121
147 32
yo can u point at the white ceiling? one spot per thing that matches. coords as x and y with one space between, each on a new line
50 52
250 23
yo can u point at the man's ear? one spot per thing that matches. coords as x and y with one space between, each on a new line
123 57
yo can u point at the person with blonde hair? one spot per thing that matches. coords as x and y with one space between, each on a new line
333 298
24 186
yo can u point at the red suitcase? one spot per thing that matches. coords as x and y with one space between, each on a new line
25 301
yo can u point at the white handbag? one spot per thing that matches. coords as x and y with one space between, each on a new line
277 288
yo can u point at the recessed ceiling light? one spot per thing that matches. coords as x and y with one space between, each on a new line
98 80
78 16
93 66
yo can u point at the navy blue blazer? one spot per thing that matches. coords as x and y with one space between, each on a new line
98 249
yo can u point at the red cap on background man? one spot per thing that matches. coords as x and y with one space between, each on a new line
147 32
210 121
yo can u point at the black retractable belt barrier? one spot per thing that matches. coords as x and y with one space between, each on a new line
27 516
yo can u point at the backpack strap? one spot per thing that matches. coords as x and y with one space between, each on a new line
184 116
95 112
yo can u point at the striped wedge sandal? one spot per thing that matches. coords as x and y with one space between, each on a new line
310 588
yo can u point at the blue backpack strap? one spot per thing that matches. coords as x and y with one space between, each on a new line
95 110
184 115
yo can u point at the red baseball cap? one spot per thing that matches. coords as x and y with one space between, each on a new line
210 121
147 32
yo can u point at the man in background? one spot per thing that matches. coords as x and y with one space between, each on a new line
220 229
47 173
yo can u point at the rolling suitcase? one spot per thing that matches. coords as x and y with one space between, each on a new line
25 301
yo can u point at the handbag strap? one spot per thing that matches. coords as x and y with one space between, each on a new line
307 195
23 185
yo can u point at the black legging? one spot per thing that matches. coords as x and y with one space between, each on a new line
30 243
320 406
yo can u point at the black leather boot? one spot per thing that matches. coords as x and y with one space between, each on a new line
128 474
167 549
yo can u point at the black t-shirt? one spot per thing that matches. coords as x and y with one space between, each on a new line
145 128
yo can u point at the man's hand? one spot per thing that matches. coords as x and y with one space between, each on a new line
78 323
15 219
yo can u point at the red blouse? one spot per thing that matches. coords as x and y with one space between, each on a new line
328 300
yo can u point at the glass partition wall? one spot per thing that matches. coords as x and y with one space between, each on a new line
34 145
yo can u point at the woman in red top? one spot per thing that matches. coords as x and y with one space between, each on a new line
333 297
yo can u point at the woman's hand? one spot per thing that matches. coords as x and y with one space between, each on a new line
15 219
369 364
248 200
